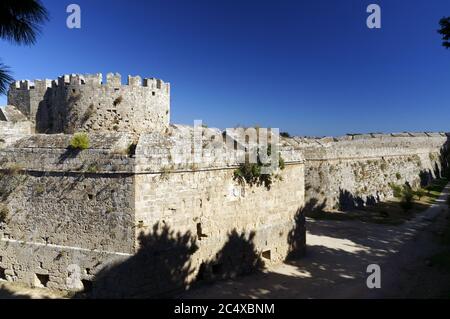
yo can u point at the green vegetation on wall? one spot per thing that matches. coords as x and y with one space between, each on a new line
79 141
251 173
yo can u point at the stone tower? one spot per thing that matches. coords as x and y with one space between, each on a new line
83 103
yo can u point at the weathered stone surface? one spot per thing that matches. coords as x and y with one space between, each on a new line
13 125
76 218
82 103
360 171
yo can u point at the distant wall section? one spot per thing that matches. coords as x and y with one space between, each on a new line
358 170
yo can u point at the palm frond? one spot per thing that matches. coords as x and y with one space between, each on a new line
5 78
20 21
445 31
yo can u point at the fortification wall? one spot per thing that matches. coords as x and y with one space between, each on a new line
29 96
342 173
13 125
84 103
201 222
127 225
11 132
64 215
21 128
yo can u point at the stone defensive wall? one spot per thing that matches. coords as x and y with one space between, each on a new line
64 214
83 103
346 172
119 220
13 125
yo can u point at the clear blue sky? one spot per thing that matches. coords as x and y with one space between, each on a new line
307 67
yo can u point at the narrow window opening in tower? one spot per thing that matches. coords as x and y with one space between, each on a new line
2 273
41 280
266 254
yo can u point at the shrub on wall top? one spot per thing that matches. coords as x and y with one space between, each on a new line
79 141
251 172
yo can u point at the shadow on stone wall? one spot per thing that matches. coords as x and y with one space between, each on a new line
69 153
440 170
348 201
313 206
238 256
44 120
297 236
161 265
444 158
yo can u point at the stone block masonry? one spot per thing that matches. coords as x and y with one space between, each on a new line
83 103
343 173
64 216
13 125
115 223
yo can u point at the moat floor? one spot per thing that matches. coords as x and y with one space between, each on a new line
338 254
335 266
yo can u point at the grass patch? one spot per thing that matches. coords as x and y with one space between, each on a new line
92 168
393 212
434 190
79 141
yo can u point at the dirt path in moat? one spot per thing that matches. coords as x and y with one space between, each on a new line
338 253
18 291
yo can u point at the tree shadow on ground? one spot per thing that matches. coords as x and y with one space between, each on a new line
303 278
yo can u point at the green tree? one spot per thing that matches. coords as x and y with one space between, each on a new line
20 23
445 31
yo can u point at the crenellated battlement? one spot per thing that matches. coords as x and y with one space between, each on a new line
84 102
95 80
